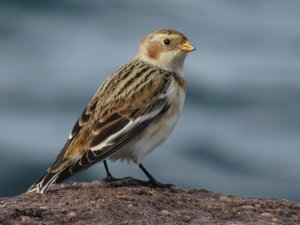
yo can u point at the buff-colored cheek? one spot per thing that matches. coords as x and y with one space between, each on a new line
154 50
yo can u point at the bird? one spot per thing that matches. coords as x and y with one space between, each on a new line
133 111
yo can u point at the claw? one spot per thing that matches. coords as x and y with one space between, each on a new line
129 181
159 184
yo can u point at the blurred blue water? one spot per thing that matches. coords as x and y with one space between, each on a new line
240 128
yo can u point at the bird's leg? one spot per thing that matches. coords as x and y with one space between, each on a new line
150 177
152 181
109 177
132 181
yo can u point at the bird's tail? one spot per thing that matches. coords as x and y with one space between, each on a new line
42 185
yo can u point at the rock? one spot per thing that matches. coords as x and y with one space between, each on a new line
71 214
104 203
165 213
225 198
248 207
267 215
25 219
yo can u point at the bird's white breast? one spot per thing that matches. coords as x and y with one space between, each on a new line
158 131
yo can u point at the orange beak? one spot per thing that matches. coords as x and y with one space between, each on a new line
187 47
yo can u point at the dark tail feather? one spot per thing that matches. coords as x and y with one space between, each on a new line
49 178
44 182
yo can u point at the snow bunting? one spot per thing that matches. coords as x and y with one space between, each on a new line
133 111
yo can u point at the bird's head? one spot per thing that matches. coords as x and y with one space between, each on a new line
165 49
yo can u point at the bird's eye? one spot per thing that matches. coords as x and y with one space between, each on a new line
167 41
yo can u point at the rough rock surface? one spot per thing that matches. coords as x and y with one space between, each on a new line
102 203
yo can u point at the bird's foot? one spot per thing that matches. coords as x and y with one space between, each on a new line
111 179
129 181
158 184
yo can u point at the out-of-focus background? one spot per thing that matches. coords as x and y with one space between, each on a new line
239 132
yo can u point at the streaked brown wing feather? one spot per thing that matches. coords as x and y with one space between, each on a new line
114 105
81 121
90 157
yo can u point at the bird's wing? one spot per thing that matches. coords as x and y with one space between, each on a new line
127 102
